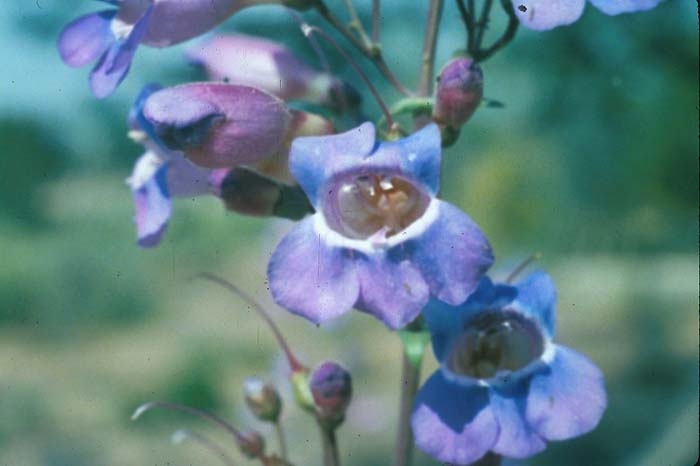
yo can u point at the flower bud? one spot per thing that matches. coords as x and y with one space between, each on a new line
251 444
219 125
459 92
270 66
262 399
331 387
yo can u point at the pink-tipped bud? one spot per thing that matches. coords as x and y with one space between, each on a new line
263 399
219 125
331 387
270 66
252 444
459 91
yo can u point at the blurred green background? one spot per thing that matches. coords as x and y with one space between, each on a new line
593 162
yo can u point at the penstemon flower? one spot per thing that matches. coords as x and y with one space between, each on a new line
547 14
503 385
380 240
272 67
159 175
111 37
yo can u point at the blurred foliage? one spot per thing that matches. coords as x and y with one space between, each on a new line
593 161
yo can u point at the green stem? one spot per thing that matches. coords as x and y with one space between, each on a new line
425 84
281 440
330 446
410 379
373 54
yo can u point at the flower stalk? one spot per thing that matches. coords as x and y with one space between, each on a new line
425 85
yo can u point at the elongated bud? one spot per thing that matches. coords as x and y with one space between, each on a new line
252 444
219 125
331 387
262 399
272 67
459 92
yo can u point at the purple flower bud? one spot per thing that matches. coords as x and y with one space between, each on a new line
262 399
219 125
459 92
270 66
331 387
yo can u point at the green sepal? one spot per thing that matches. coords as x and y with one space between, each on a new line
302 391
414 106
292 203
414 343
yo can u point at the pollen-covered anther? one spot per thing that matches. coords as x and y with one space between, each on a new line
494 343
368 204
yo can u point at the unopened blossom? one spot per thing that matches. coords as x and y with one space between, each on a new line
272 67
380 240
219 125
331 388
263 399
503 386
159 175
111 37
547 14
459 91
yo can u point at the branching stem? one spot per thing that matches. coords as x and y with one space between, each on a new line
425 83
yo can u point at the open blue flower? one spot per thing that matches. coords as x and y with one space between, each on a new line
380 240
547 14
503 385
158 175
111 37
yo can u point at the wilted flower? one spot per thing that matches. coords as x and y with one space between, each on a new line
548 14
159 175
380 240
331 387
111 37
270 66
503 385
459 91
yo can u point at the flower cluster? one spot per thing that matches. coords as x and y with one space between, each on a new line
372 232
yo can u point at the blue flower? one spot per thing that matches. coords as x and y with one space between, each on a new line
111 37
380 240
503 385
158 175
548 14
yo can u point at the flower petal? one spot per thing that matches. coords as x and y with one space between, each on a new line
421 154
313 160
85 39
547 14
151 199
311 279
516 438
391 289
114 65
615 7
453 423
569 399
452 255
537 297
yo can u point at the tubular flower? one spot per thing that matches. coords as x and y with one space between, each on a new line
159 175
503 385
112 36
547 14
219 125
380 240
272 67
